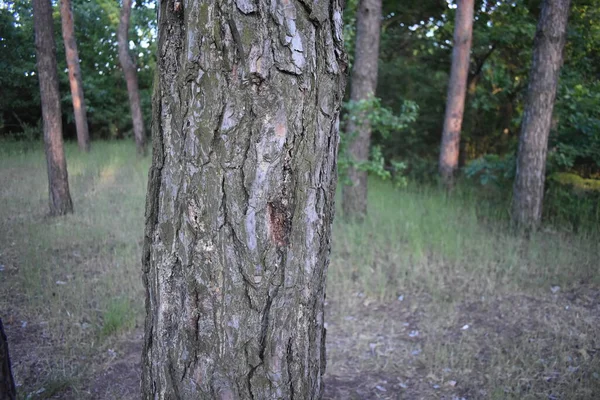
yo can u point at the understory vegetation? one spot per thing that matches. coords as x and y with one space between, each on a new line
433 296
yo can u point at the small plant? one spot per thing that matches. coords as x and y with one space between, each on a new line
383 121
118 316
492 169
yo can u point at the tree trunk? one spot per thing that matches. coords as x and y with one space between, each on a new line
533 141
457 88
363 84
240 198
68 31
7 383
130 71
60 198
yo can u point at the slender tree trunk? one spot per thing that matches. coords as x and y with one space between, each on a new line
363 84
68 31
457 88
60 198
240 198
533 141
7 383
130 71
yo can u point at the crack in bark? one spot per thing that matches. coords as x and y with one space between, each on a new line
237 39
195 323
174 384
290 359
249 379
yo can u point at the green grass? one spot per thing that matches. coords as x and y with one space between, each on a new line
76 278
451 259
119 316
454 261
421 239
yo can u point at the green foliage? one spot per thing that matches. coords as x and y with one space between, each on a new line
577 182
18 80
96 24
381 119
414 65
492 169
573 202
350 29
383 122
576 139
119 316
375 166
570 201
416 50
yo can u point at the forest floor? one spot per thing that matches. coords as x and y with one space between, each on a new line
430 298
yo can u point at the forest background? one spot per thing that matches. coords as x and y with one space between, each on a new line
414 65
444 301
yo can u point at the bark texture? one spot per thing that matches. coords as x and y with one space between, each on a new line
130 72
533 141
45 48
457 89
7 383
363 84
240 198
68 32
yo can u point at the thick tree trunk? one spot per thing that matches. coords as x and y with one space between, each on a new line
60 198
130 72
240 198
7 383
533 141
363 84
68 31
457 88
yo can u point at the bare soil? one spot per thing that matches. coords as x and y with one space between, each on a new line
375 350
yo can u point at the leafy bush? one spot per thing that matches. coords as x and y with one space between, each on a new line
576 140
382 121
573 201
492 169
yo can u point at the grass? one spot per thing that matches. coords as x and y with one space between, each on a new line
432 296
119 316
76 279
420 239
455 302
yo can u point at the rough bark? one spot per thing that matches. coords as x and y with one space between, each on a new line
68 32
457 88
45 47
548 46
240 198
363 84
130 72
7 383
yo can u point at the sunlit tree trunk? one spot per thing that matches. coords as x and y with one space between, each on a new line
68 32
130 72
363 84
533 141
457 88
45 47
7 383
240 198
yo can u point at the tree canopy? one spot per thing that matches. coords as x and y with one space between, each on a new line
415 63
96 23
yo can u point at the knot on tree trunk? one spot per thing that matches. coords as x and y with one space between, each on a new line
279 222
